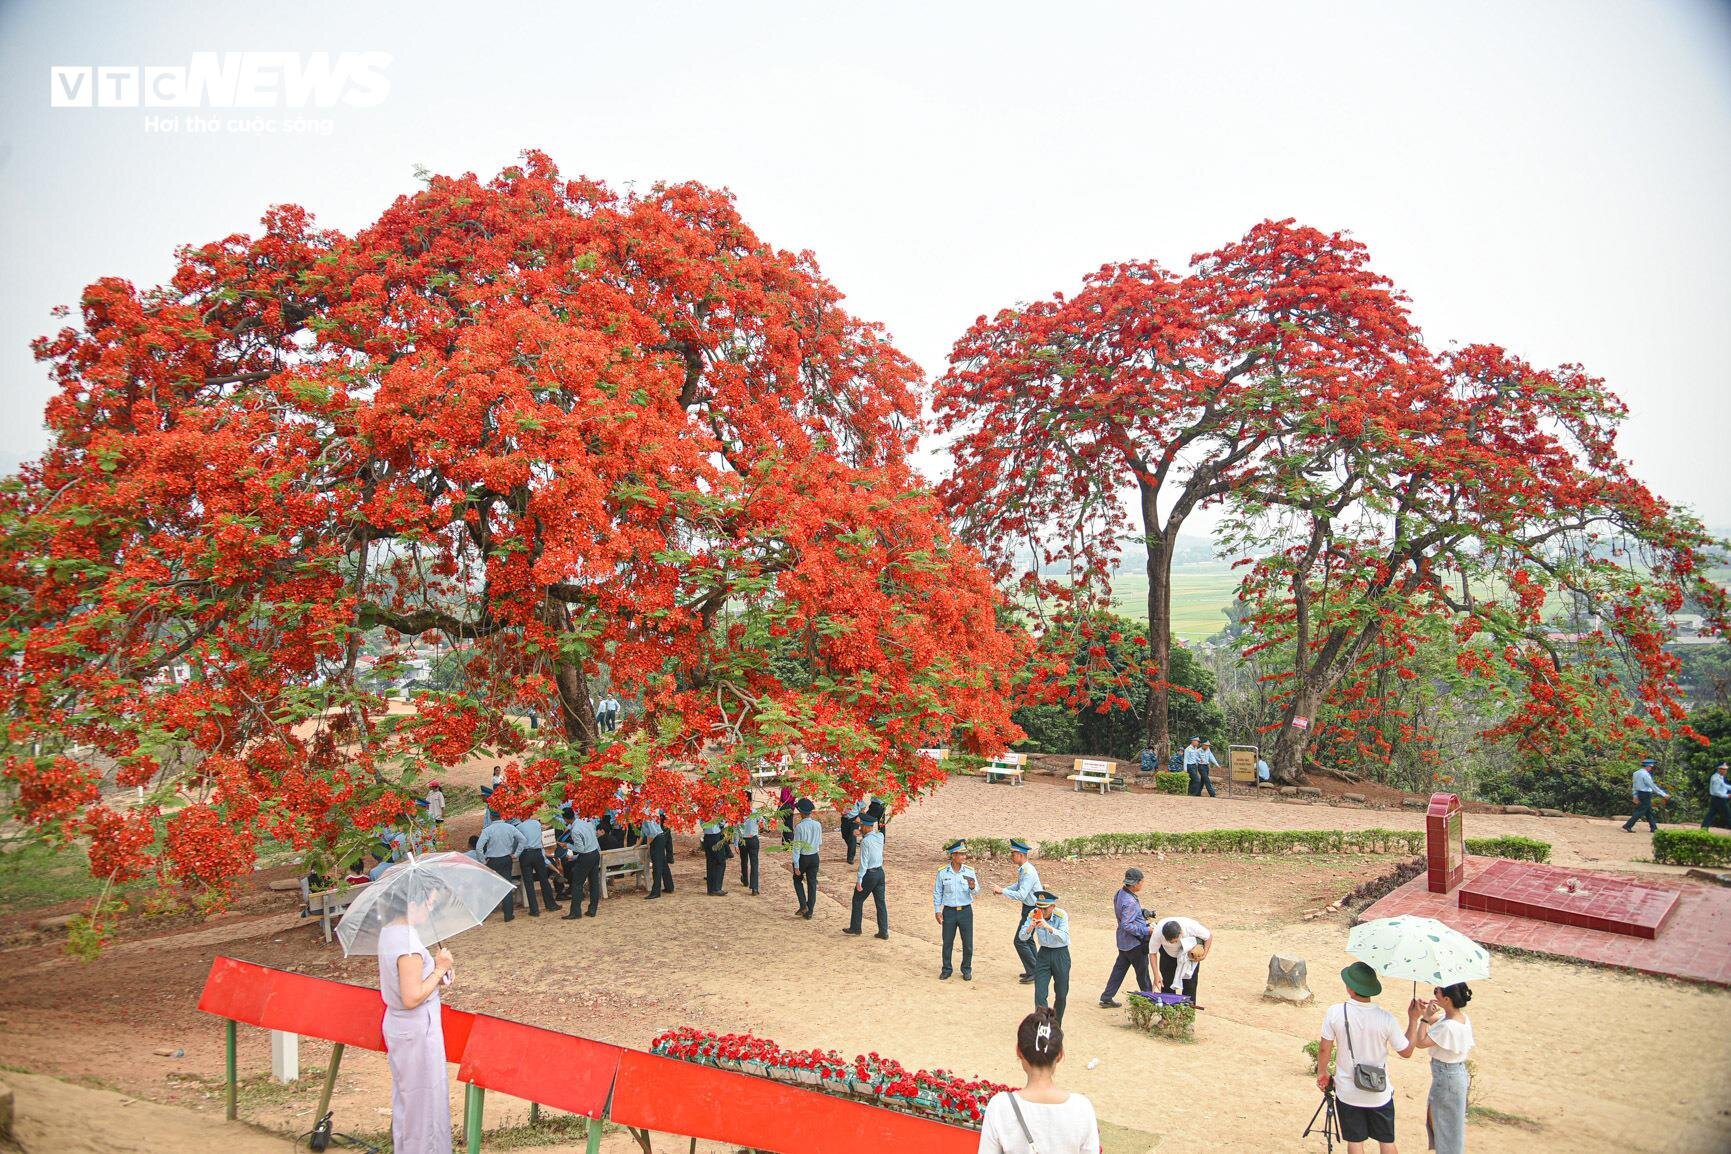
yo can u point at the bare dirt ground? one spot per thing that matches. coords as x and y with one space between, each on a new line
1592 1060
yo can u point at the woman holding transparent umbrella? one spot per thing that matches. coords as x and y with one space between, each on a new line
425 899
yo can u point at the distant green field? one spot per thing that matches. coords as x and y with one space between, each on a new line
1200 597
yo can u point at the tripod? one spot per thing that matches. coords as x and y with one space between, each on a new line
1328 1112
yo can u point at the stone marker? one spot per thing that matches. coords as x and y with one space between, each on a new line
284 885
1309 791
1358 797
1289 791
1518 809
1287 981
1552 813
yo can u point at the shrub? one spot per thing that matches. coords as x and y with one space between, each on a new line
1252 841
1690 847
1313 1048
986 846
1172 782
1517 848
1176 1021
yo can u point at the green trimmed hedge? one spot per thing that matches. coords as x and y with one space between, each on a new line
1172 782
1691 847
1516 848
1253 841
985 846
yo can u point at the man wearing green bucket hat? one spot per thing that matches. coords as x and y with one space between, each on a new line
1360 1035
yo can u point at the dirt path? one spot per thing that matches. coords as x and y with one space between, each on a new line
1557 1046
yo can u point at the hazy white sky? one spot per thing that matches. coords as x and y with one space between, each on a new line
1553 177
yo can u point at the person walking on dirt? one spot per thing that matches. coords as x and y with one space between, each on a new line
1643 788
1027 885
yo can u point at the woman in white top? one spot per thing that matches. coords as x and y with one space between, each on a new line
1447 1032
409 981
1040 1119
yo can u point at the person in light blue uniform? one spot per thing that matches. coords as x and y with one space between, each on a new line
850 827
953 907
1206 761
748 844
1192 765
1718 800
1644 787
807 841
533 863
660 839
583 866
1048 928
499 845
870 880
1027 885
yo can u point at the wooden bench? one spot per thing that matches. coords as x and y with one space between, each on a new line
329 904
1101 773
1006 767
623 862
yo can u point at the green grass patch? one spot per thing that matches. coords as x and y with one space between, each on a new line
1201 594
1515 848
33 875
1503 1118
1691 847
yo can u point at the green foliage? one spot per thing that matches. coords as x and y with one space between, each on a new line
1251 841
1176 1021
985 847
1050 729
1515 848
1313 1048
1178 783
1691 847
1600 788
1689 764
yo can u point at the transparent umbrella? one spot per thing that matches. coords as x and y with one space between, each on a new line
1420 950
461 890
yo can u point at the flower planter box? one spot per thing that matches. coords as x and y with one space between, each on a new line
755 1069
1164 1016
783 1074
863 1089
807 1077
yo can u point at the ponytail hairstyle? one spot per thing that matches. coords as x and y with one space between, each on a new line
1458 994
1039 1039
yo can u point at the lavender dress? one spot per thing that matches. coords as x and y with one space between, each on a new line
415 1049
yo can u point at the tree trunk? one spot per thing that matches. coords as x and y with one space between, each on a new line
576 711
1158 543
1287 765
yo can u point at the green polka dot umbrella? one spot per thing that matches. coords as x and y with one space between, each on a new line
1419 949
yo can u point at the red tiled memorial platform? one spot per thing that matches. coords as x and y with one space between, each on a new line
1589 900
1694 942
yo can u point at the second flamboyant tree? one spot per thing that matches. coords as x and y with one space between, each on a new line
1160 392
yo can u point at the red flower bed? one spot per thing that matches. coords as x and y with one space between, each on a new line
935 1093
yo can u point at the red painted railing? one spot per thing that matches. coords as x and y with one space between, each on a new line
582 1076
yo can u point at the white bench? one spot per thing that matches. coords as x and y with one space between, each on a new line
1006 767
1101 773
625 861
328 904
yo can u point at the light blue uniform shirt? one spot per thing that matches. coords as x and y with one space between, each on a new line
1192 754
531 831
745 829
1206 757
500 839
713 825
580 834
1644 783
854 810
1716 786
952 889
807 839
1027 885
651 829
871 852
1050 933
373 874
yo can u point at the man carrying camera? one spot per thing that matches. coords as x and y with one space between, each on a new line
1134 934
1360 1035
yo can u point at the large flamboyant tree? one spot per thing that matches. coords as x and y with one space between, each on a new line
570 439
1467 495
1163 391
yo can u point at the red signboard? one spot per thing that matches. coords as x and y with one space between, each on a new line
1444 844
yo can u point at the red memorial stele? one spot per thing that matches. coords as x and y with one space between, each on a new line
1444 843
